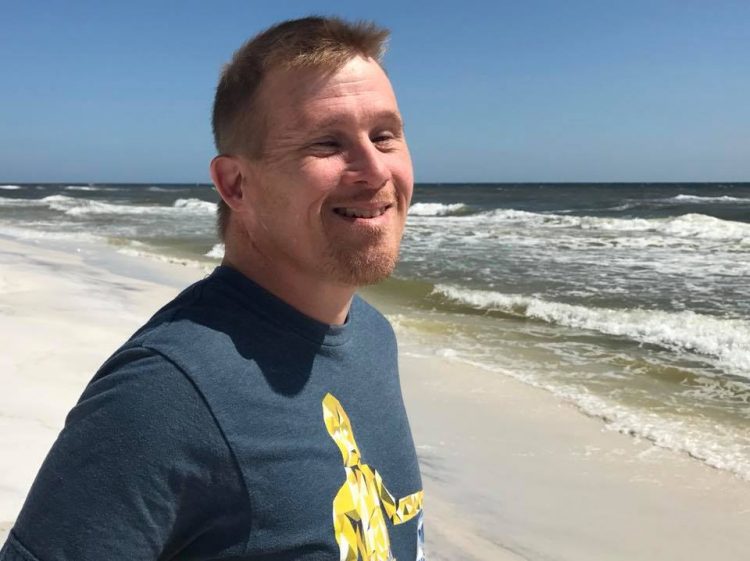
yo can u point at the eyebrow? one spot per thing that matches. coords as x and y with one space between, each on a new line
390 116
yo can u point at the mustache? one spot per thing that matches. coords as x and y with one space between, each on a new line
376 199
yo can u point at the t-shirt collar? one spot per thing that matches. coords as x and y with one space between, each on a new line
283 315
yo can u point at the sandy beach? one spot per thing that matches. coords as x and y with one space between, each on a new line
510 471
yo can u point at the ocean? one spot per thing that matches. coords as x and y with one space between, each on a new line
630 301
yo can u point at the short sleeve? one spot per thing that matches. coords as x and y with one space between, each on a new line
140 471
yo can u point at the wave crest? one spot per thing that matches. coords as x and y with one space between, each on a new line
86 188
726 340
74 206
690 225
5 201
195 205
438 209
698 199
216 252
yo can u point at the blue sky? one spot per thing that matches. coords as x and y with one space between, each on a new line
542 91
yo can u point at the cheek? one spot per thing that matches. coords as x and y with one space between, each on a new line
317 180
403 175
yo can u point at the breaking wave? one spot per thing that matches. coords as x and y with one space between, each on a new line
697 199
196 205
216 252
4 201
725 340
87 188
691 225
73 206
439 209
155 189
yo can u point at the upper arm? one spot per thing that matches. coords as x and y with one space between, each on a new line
139 470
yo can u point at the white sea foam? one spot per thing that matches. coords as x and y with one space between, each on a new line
437 209
196 205
84 188
701 439
216 252
725 340
720 447
698 199
33 234
4 201
623 206
705 227
697 226
80 207
10 187
58 199
131 251
155 189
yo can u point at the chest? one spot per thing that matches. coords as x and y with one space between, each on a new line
316 465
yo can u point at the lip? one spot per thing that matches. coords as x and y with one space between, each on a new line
362 211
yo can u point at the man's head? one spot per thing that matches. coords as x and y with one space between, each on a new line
313 42
314 171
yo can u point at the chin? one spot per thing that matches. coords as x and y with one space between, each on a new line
363 268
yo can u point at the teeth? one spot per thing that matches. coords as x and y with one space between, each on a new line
360 212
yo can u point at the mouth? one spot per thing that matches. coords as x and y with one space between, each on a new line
362 212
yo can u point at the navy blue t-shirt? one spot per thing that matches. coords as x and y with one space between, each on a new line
231 426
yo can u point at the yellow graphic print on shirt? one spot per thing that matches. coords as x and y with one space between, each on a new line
358 522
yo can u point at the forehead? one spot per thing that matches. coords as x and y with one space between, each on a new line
312 97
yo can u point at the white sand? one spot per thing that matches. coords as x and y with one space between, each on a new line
510 473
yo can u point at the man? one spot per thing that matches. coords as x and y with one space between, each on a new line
259 414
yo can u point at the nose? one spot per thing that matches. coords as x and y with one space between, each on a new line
367 165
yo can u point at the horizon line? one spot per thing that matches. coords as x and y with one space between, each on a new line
208 184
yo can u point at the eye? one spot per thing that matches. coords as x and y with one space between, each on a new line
325 147
328 143
383 139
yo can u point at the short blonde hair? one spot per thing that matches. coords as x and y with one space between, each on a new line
318 42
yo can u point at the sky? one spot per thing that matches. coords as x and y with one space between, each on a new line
524 91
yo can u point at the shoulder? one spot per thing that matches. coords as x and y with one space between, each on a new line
146 394
194 331
186 304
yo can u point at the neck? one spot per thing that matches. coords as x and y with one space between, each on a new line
316 298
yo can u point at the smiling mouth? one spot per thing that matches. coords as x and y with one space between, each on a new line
353 212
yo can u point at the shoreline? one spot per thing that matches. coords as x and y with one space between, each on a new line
510 471
543 481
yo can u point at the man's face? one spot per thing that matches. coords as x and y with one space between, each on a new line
328 197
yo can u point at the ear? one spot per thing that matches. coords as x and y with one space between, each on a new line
227 174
